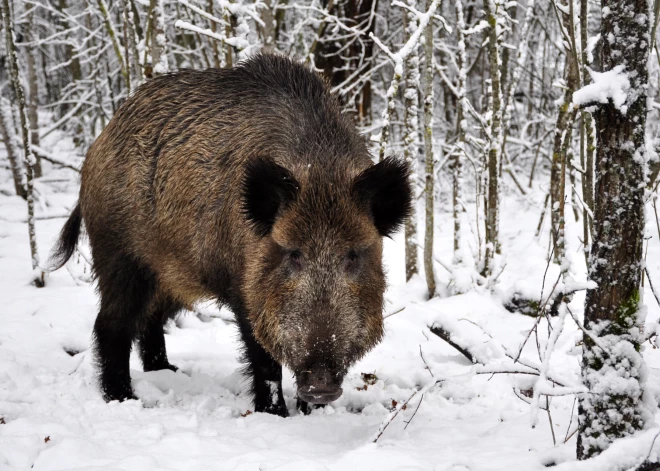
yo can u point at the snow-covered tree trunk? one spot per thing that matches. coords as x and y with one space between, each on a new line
410 144
12 59
562 140
613 368
9 138
494 146
131 40
456 165
156 39
33 90
588 147
114 38
428 158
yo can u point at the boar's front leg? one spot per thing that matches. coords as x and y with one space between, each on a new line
263 371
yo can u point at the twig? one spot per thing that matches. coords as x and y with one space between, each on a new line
414 413
425 364
552 428
393 313
571 421
646 460
446 336
399 407
587 333
648 277
391 416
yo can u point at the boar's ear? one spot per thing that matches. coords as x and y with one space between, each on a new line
268 188
384 189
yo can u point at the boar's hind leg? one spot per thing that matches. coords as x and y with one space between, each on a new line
151 340
263 371
126 290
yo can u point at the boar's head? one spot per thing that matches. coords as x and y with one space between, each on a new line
314 280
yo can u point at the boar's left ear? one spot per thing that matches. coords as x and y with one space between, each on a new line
268 188
385 190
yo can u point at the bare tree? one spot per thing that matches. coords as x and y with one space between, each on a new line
12 59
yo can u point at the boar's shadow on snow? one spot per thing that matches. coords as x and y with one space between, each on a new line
248 186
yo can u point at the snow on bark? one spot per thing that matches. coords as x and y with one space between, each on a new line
493 15
614 311
612 85
410 127
428 158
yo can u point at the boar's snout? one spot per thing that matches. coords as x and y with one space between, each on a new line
318 386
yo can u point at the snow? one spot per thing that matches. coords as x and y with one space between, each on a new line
607 86
197 418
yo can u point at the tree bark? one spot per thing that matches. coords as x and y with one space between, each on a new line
493 159
588 147
33 92
12 59
428 156
614 311
103 8
410 145
456 165
9 138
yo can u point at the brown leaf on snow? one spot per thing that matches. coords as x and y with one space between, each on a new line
247 412
47 439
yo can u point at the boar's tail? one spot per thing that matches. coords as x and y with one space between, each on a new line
68 240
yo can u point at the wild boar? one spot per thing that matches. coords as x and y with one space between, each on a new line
248 186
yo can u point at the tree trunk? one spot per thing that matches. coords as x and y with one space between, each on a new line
12 59
613 311
587 130
456 165
410 145
428 156
131 38
33 92
159 41
493 165
562 142
270 26
9 138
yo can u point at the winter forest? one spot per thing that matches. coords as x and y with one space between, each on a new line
523 292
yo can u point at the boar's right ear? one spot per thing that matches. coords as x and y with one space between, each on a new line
384 189
268 188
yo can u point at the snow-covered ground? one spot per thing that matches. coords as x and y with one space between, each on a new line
53 417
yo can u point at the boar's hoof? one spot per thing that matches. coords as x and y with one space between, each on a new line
118 394
164 366
275 409
307 407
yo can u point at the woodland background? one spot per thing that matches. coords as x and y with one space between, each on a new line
515 173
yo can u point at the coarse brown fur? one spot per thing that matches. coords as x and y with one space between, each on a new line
249 186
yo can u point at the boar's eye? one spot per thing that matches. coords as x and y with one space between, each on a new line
351 261
294 260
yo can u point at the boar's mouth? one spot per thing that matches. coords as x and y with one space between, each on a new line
318 386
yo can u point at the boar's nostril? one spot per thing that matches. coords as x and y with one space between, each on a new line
319 394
